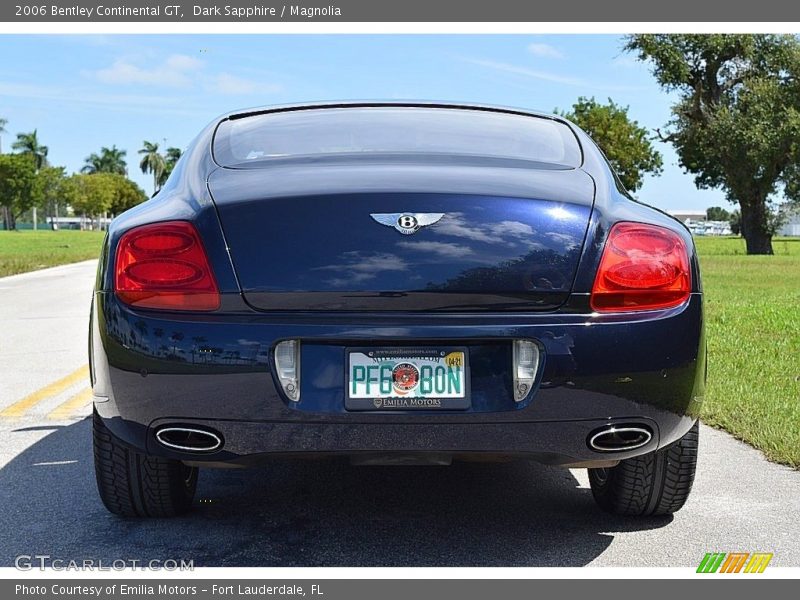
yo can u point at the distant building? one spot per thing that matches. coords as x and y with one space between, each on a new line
708 227
684 215
791 226
696 222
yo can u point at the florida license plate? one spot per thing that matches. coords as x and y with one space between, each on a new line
407 379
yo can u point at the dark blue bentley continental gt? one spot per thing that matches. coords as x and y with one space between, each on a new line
397 283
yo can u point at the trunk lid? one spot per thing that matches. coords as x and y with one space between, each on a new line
301 236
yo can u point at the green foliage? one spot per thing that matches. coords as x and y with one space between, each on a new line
48 190
736 123
171 158
717 213
28 143
626 145
26 180
152 162
89 195
126 194
735 221
110 160
100 193
17 177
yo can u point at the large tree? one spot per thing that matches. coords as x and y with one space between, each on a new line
89 195
110 160
3 123
48 192
626 144
717 213
17 177
28 143
736 121
94 195
152 162
126 194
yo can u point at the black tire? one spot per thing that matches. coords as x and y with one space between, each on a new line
657 483
132 484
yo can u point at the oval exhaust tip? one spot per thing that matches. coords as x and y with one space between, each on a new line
188 439
619 439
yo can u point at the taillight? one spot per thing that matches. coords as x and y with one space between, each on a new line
644 267
164 266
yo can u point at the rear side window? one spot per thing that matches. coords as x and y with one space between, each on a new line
392 130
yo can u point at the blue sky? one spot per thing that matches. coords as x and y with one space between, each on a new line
84 92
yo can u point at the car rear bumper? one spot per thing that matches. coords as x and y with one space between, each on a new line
215 372
560 443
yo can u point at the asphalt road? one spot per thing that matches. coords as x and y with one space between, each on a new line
313 513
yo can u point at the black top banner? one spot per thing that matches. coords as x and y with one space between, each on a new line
400 11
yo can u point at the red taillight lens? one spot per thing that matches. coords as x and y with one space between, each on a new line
644 267
164 265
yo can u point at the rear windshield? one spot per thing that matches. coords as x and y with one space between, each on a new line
405 130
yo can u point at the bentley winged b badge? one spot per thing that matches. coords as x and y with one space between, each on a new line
407 223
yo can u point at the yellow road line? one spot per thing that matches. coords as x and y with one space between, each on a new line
68 407
20 407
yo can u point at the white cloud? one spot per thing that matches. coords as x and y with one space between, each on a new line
176 71
357 267
440 249
180 71
588 86
625 61
526 72
232 85
511 229
83 97
545 51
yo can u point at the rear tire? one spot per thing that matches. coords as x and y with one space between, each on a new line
132 484
657 483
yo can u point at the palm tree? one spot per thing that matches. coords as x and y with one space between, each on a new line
110 160
172 157
198 339
3 123
152 162
28 143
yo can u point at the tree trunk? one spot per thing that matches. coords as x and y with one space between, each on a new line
755 226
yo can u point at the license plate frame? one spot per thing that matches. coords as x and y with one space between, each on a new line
417 356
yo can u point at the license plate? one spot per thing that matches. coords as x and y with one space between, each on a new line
407 379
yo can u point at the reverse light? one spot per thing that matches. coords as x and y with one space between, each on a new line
526 363
644 267
287 364
164 265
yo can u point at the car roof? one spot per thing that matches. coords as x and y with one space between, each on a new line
238 114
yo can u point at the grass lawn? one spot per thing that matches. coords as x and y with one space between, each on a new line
753 329
28 250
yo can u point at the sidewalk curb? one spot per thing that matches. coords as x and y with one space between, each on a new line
45 271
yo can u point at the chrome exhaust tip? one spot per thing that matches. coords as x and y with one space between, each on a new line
188 439
619 438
